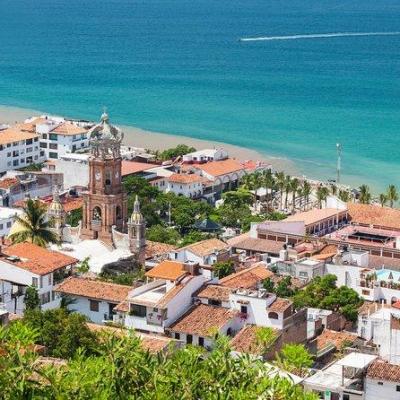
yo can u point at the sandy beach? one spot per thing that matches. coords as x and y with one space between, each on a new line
159 141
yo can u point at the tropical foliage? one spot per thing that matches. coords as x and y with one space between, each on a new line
120 368
323 293
295 358
34 226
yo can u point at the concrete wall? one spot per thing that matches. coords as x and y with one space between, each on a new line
386 391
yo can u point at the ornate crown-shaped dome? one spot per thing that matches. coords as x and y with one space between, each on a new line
56 206
136 217
105 138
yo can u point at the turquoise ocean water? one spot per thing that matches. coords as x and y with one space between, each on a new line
176 66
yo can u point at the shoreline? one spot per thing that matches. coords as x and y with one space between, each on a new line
138 137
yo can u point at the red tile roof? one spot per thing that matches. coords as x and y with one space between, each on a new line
93 289
169 270
154 249
369 214
329 337
245 242
206 247
16 133
280 305
381 370
246 340
185 178
223 167
214 292
36 259
68 129
202 320
133 167
6 183
247 279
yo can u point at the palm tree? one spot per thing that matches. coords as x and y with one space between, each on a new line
256 182
306 191
344 195
288 183
294 186
365 194
280 183
392 195
269 183
34 226
383 199
322 194
334 189
247 182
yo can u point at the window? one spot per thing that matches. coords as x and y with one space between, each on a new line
189 339
15 144
9 164
29 150
50 279
8 144
380 383
45 298
213 302
273 315
15 153
36 139
397 388
346 396
9 154
15 163
9 224
94 305
28 141
138 310
41 282
43 145
177 336
201 341
1 226
53 155
243 309
22 161
53 136
44 136
35 282
53 146
365 292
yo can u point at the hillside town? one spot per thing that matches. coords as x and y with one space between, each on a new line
187 246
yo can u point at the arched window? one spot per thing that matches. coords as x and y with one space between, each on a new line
118 212
273 315
97 213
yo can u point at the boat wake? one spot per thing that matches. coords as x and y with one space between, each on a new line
318 35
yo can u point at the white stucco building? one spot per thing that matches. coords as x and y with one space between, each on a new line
7 218
188 185
26 264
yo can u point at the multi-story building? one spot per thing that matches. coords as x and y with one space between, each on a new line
26 264
188 185
19 147
7 218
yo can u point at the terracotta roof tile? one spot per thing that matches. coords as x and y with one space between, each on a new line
36 259
134 167
329 337
214 292
6 183
201 320
246 341
381 370
93 289
170 270
247 279
280 305
369 214
154 249
16 134
68 129
185 178
245 242
313 216
223 167
206 247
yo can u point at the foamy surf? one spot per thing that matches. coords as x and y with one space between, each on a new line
318 35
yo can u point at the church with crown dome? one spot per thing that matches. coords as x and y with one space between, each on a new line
104 212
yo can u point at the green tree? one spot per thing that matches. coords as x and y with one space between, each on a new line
295 358
175 152
306 192
365 194
322 194
383 199
83 266
224 268
283 288
159 233
294 187
268 182
265 337
34 226
268 285
192 237
237 198
74 217
31 299
344 195
392 195
280 179
288 188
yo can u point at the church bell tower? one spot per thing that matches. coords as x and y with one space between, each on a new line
105 203
137 233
